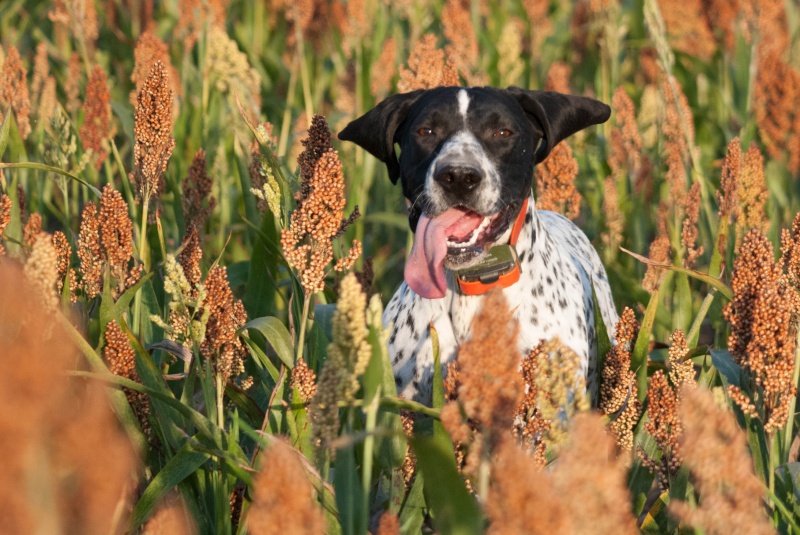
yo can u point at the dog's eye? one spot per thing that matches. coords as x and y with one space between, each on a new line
425 131
503 133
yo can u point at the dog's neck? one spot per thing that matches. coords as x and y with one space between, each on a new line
530 229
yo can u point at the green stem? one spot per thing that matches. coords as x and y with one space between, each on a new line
788 516
751 80
483 476
788 435
694 330
137 302
301 336
369 446
394 402
220 396
773 459
347 525
126 184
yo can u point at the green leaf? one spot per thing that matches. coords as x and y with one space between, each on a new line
391 446
245 404
276 414
455 511
150 331
757 441
603 340
655 521
261 358
4 131
639 354
111 310
789 475
233 457
640 479
200 421
277 335
724 363
438 383
50 169
708 279
118 400
438 388
412 514
66 295
317 343
238 272
185 462
682 303
372 379
679 488
323 317
298 414
388 219
348 490
261 284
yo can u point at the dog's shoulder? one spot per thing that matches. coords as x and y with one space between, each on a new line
566 235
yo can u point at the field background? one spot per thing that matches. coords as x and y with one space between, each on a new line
696 170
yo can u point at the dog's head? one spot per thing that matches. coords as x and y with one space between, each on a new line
466 164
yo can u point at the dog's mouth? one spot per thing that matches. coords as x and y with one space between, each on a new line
473 233
455 239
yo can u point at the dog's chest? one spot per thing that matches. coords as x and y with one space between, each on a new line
548 301
553 298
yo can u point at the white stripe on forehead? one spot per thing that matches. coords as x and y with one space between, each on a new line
463 102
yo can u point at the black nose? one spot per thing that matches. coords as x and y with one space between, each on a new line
458 180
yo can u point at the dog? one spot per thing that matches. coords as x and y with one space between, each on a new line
466 168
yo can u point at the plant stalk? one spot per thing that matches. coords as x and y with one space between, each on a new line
369 447
774 451
137 302
694 330
301 336
788 435
220 396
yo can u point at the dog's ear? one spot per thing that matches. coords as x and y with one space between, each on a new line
376 129
558 115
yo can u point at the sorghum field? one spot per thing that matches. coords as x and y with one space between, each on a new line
192 272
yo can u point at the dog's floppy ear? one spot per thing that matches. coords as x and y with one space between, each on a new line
559 115
376 129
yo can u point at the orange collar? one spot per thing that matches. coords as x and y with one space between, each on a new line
507 273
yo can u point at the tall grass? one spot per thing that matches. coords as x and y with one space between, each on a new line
195 256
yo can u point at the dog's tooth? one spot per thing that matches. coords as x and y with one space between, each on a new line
474 236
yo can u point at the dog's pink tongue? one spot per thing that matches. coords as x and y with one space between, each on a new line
424 272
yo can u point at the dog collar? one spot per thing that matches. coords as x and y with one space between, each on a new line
500 267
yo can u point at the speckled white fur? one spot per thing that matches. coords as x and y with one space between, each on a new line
552 298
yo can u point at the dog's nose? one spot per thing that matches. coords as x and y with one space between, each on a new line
458 180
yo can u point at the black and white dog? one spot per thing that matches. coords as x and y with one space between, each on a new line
466 167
